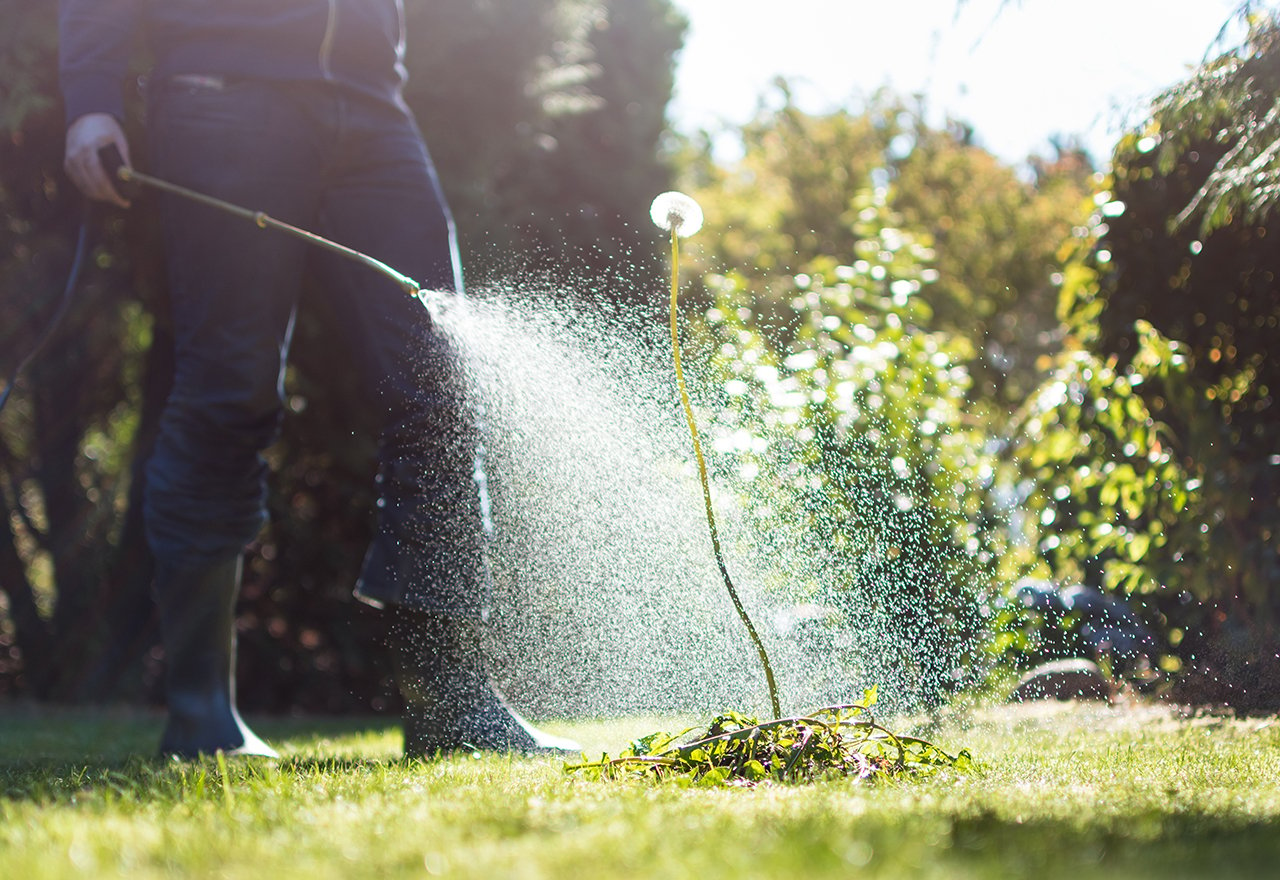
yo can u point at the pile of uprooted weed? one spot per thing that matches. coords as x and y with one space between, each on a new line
831 742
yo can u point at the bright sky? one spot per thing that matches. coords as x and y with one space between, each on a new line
1018 72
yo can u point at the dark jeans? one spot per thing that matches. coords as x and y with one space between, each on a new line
356 171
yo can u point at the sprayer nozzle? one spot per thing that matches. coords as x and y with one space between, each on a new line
438 302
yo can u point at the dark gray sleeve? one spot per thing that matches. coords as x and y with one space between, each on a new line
95 39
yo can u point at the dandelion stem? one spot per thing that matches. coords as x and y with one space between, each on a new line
702 475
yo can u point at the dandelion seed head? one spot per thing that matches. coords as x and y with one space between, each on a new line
676 211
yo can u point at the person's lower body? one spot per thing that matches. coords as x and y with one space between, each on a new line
356 171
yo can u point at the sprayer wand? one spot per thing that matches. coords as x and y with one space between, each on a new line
114 164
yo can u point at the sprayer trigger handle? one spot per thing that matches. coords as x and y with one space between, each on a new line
113 164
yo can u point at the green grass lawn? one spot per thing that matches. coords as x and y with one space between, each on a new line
1063 791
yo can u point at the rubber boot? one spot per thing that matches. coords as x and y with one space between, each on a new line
197 625
450 703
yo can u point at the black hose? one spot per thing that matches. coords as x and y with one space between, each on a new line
64 304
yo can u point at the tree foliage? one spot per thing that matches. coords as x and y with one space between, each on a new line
997 237
857 433
1241 90
793 196
905 265
1154 438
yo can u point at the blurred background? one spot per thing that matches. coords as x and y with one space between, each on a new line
1007 264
